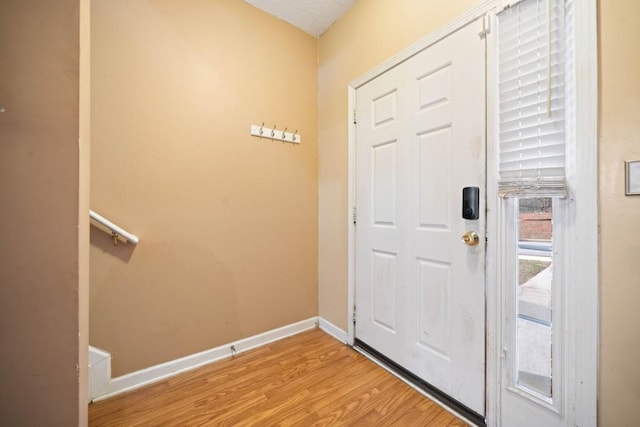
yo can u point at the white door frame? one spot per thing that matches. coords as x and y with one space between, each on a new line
584 235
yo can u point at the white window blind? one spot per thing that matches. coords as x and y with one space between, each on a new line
531 80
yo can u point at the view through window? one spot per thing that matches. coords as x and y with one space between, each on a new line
534 305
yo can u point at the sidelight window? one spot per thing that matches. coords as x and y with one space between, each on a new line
534 56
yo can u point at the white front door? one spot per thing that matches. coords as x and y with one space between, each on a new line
420 291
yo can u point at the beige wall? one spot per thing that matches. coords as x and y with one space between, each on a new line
368 34
227 222
619 215
39 184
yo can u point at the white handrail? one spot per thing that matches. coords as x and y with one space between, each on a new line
117 231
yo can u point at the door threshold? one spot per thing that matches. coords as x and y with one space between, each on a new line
447 402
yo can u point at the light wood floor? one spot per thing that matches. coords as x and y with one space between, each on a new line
306 380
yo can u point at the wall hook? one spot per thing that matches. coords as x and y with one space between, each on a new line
293 137
284 134
273 131
261 131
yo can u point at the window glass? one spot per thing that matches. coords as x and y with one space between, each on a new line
534 295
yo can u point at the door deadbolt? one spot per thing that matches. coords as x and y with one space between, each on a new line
471 203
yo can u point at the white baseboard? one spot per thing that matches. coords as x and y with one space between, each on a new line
332 330
99 371
165 370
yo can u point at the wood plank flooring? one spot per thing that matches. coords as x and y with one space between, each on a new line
306 380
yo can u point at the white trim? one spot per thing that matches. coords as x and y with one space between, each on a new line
99 372
332 330
492 292
351 227
583 239
165 370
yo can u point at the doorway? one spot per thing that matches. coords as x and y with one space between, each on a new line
420 250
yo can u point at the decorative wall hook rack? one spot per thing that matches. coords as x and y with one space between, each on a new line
279 135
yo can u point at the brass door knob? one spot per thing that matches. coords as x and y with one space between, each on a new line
471 238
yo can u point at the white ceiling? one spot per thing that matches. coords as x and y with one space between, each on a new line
311 16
